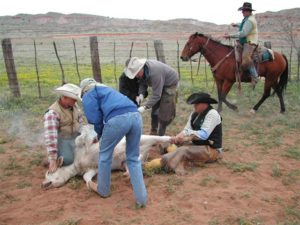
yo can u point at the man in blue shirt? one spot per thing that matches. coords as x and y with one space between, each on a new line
114 116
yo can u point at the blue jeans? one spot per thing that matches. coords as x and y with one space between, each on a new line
66 148
129 125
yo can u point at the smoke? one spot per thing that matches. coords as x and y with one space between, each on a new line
27 129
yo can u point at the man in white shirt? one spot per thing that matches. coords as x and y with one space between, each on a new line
201 138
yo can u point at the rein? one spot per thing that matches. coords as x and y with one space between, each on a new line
215 67
221 61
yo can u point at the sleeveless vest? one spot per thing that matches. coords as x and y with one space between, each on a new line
253 35
215 138
69 119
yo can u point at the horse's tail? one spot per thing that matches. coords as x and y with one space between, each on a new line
284 76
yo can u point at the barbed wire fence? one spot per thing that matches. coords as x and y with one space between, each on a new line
37 65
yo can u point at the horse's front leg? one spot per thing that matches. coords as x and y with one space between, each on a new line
225 89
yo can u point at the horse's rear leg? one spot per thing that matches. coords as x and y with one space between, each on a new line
281 101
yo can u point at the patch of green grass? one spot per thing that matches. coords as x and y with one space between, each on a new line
12 164
172 183
23 184
245 194
2 149
245 221
70 222
37 158
8 197
276 171
292 152
213 221
75 183
208 180
291 177
241 167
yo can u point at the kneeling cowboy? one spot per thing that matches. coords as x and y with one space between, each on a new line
204 129
62 122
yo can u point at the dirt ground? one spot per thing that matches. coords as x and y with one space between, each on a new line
254 183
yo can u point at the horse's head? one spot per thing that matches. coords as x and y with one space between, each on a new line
194 45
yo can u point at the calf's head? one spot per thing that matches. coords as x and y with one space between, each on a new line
55 179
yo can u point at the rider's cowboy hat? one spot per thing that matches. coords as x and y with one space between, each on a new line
69 90
200 97
246 6
134 66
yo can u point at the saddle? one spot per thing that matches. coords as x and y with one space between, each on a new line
261 54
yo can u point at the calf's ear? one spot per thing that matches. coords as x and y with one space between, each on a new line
60 161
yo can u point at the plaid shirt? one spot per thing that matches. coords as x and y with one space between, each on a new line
51 125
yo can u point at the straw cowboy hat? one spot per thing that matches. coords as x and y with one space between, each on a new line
246 6
69 90
200 97
134 66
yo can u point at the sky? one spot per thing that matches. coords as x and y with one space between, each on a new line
215 11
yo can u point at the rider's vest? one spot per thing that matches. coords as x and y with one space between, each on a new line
69 119
215 138
252 37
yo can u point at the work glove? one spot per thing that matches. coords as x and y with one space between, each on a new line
139 99
142 109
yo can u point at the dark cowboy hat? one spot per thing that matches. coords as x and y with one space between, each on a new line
246 6
200 97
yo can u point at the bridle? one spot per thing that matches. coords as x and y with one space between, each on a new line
203 48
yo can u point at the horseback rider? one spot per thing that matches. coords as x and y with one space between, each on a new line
248 38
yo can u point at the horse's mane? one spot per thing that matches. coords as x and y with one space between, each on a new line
211 39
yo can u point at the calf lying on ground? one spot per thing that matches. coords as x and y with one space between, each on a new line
87 153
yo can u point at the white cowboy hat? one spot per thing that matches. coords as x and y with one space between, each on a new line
69 90
134 66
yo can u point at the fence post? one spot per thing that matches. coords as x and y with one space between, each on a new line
95 59
268 44
37 70
63 78
115 64
290 64
178 65
298 54
131 48
159 51
10 67
147 50
76 61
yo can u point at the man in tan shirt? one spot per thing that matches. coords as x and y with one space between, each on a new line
61 126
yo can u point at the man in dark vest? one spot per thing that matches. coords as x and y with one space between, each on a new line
201 138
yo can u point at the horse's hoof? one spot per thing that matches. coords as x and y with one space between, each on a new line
252 111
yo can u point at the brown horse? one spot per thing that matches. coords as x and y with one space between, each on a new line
222 61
